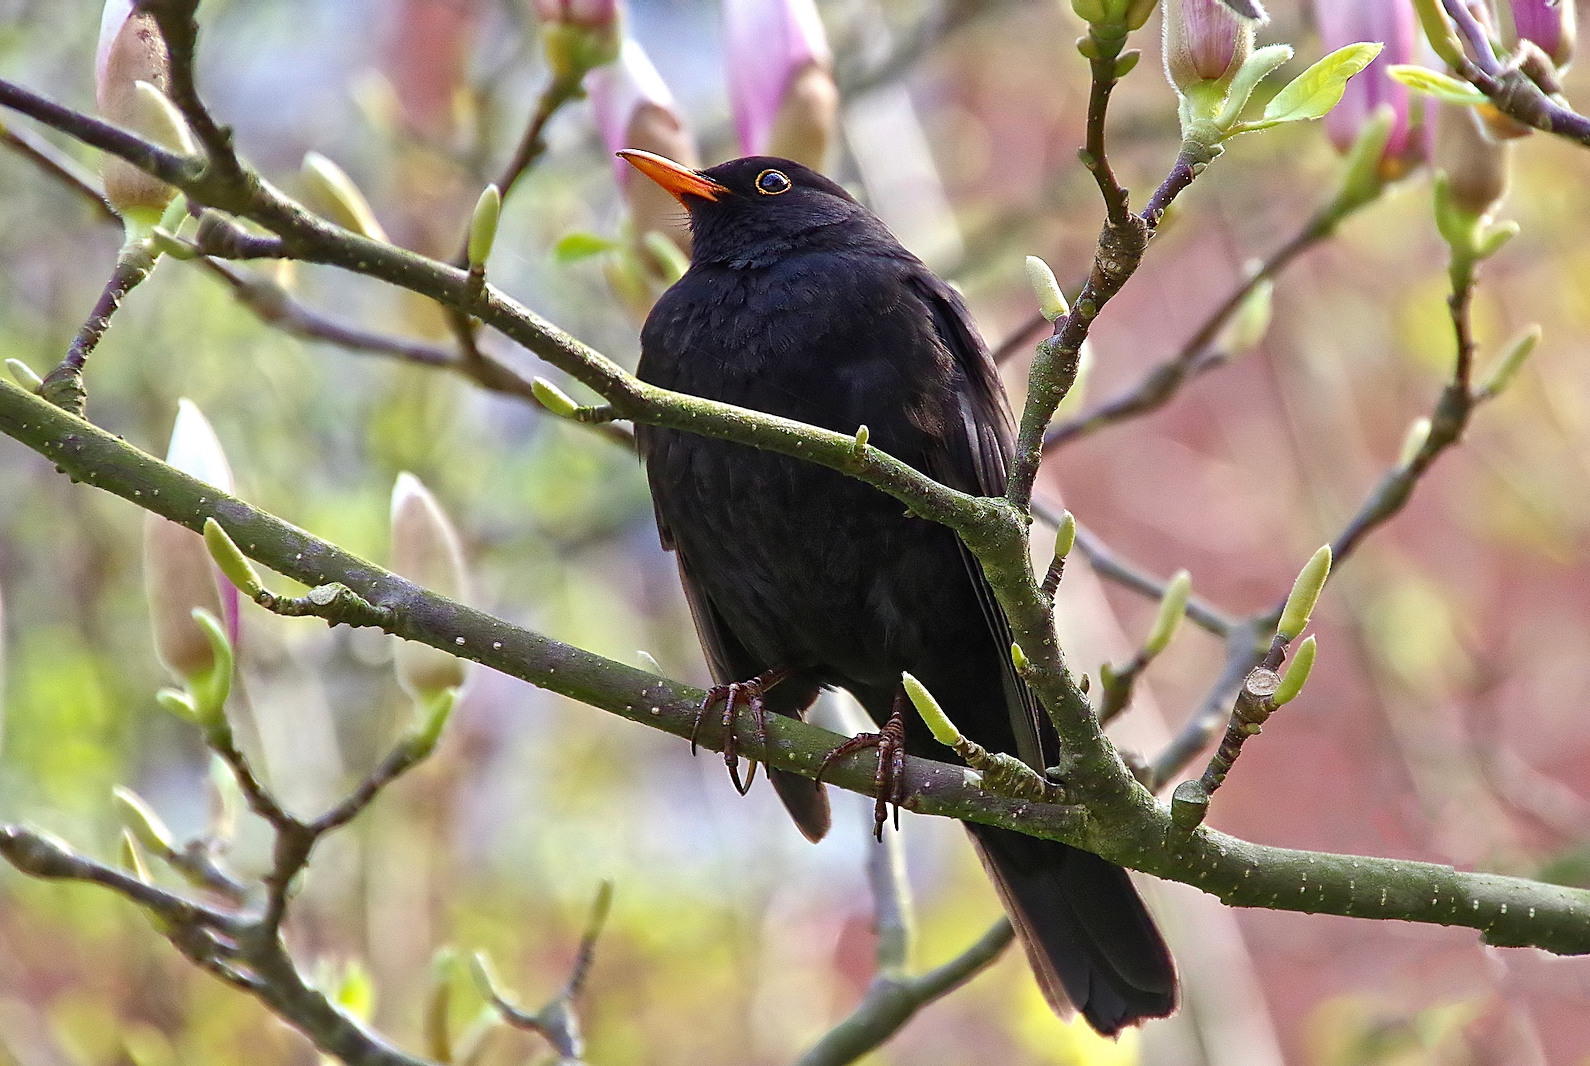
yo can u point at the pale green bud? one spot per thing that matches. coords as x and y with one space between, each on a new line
1172 607
938 722
230 560
1051 301
554 399
1305 594
24 375
143 823
483 226
1413 441
333 193
1511 362
1065 535
426 550
1296 673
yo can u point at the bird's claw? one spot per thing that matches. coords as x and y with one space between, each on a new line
732 696
889 779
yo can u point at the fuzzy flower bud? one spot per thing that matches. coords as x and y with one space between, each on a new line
634 109
1204 41
579 35
1391 22
1548 23
781 82
179 575
132 54
1476 165
425 549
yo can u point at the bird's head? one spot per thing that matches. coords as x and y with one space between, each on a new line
748 211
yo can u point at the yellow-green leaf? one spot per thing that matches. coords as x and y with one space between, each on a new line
1319 88
1435 83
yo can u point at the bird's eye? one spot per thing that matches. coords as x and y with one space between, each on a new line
773 182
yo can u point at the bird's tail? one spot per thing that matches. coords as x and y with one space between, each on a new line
1090 940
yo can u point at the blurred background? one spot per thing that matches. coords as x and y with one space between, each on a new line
1444 721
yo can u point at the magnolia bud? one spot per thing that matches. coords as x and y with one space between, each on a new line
1548 23
634 109
179 574
579 35
1391 22
1476 166
781 83
132 52
425 549
1204 41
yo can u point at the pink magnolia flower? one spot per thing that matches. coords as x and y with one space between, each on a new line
781 86
1392 23
1549 23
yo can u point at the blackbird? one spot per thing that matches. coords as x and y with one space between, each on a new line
799 302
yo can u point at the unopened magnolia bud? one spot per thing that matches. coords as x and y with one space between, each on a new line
938 722
1051 300
1172 607
334 194
1476 166
426 550
634 109
781 83
1548 23
483 226
179 575
132 52
1297 672
1372 92
1204 41
578 35
1018 658
1305 594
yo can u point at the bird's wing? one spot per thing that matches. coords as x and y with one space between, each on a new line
973 455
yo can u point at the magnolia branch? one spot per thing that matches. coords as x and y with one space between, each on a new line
1125 826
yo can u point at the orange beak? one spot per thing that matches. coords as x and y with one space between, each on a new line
678 180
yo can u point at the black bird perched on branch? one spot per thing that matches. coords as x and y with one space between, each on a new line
799 302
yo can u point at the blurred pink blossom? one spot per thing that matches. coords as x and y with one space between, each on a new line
1392 23
578 12
1549 23
780 78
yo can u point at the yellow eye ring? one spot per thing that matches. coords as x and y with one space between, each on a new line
773 183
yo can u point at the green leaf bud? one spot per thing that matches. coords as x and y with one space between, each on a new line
336 196
1172 607
1065 535
938 722
554 399
24 375
230 560
1018 658
132 859
1413 441
483 226
435 709
1297 672
143 823
1511 362
1305 594
1051 301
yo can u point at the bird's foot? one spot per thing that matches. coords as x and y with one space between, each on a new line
889 780
732 696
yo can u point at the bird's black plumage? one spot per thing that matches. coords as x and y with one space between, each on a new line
800 303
